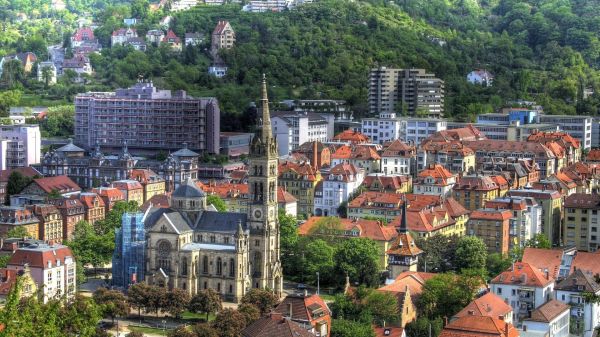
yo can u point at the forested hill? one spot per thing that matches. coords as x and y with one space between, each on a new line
547 51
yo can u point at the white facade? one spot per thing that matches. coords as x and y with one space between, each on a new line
382 129
337 188
482 77
182 5
296 128
414 130
522 298
122 35
217 71
589 312
51 68
259 6
290 208
429 186
396 165
579 127
155 36
557 327
20 146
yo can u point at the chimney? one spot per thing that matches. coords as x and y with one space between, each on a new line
506 329
445 321
290 310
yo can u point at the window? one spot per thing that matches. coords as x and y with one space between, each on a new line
219 266
499 291
184 267
205 266
257 243
231 268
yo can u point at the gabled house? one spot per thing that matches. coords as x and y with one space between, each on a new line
310 312
436 180
172 40
574 290
490 305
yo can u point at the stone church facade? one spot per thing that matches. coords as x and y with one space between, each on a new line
192 248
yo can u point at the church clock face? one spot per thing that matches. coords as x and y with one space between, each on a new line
257 214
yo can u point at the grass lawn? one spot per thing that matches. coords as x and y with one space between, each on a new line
191 316
153 331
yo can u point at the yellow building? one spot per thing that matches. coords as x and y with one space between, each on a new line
12 218
235 196
333 228
132 190
300 180
581 221
51 223
151 182
474 191
396 183
453 155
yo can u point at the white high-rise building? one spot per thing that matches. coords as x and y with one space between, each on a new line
292 128
20 146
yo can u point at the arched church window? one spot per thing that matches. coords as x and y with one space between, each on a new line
164 255
257 264
219 266
205 265
231 268
184 266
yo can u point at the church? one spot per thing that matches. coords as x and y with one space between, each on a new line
192 247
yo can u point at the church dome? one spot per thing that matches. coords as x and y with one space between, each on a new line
188 190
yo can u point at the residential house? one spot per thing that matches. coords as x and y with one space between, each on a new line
361 156
122 35
342 228
132 190
435 180
519 173
223 37
46 71
481 77
581 221
551 202
585 314
5 174
93 206
52 267
8 279
172 40
389 331
151 182
490 305
551 320
12 217
452 154
275 325
27 60
300 180
310 312
336 188
287 202
524 287
81 36
110 196
382 205
155 36
433 220
50 185
557 261
80 64
568 143
492 227
71 211
317 152
398 158
474 191
479 326
351 137
193 39
50 222
395 183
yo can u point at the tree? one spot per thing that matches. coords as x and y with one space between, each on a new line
318 257
46 75
359 259
181 332
496 263
207 301
229 323
446 294
471 253
344 328
176 301
16 183
383 306
137 296
59 121
263 299
539 241
54 194
4 259
18 232
112 302
420 327
204 330
135 334
250 312
439 252
288 230
219 204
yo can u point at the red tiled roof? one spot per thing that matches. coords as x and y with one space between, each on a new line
390 183
411 279
82 32
477 183
544 259
437 172
370 199
371 229
220 27
109 192
145 176
8 278
26 171
490 305
225 190
583 200
127 185
88 199
389 331
593 155
524 274
479 326
302 307
62 184
451 147
171 36
351 136
39 258
587 262
536 150
284 196
548 311
490 214
397 148
157 200
467 133
275 326
304 170
404 245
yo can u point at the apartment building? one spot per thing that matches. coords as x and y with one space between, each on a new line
435 180
131 189
152 183
581 221
336 187
12 217
492 226
71 211
585 315
223 37
526 221
415 130
381 129
300 180
361 156
551 203
524 287
93 206
52 267
398 158
579 127
382 205
474 191
20 146
453 155
51 225
407 91
394 183
292 129
147 120
515 131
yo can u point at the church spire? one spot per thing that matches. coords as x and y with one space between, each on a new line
266 116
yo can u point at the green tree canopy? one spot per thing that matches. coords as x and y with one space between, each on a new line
471 253
219 204
344 328
359 259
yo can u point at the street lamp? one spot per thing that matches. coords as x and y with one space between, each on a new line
164 325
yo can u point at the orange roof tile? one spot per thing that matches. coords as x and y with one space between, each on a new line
397 148
593 155
351 136
437 172
404 245
548 311
62 184
385 183
524 274
490 305
490 214
587 262
371 229
544 259
411 280
479 326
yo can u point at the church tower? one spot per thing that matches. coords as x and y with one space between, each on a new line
262 206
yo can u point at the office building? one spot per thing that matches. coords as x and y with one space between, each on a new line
410 92
20 146
579 127
291 129
148 120
128 263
